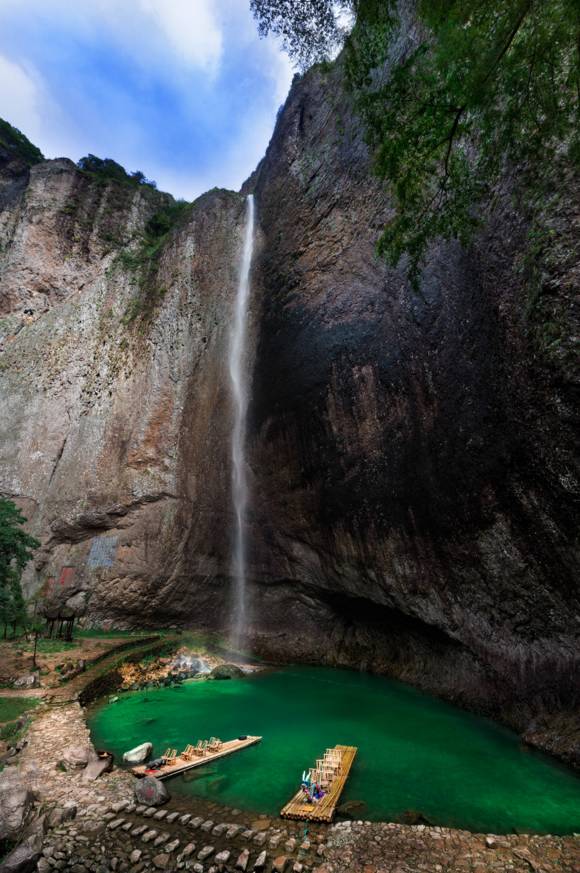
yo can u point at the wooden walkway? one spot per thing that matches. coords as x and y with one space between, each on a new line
180 764
324 810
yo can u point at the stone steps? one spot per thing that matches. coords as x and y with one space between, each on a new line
126 838
133 832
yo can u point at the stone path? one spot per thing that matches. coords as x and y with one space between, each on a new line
390 848
24 692
53 731
125 838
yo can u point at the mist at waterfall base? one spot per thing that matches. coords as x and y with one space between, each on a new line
414 751
238 376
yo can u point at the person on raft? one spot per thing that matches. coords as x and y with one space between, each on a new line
311 793
317 792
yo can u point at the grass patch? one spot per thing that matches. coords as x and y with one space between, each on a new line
98 633
10 730
13 707
48 647
200 640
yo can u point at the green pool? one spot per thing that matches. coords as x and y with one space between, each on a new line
415 752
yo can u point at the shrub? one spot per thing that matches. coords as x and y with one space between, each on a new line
18 145
106 170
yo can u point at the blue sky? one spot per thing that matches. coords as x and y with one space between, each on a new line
183 90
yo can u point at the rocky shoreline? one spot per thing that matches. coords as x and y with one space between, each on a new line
68 821
183 665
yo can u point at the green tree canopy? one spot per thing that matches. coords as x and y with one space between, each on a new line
107 170
485 83
310 29
16 547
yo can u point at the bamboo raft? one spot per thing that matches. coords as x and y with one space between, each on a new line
180 763
331 772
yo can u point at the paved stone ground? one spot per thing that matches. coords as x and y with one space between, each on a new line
391 848
111 833
52 731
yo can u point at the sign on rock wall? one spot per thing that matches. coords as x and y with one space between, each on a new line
66 577
103 552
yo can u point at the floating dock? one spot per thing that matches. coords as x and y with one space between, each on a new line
324 810
181 764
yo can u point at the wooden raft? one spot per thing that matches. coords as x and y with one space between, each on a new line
180 765
324 810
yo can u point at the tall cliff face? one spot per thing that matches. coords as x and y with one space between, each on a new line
114 421
412 455
415 494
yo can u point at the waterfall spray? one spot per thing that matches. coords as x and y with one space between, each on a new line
239 388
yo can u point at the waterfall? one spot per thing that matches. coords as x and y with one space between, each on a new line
238 372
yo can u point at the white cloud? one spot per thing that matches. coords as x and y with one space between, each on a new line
189 47
20 98
26 103
282 73
191 29
152 32
235 18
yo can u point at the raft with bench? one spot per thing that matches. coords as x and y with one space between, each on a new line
205 752
331 772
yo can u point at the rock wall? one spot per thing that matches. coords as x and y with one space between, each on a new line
413 476
414 457
114 426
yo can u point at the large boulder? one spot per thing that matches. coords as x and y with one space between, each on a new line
66 812
29 680
97 765
16 805
76 757
138 754
151 791
77 604
226 671
191 664
24 857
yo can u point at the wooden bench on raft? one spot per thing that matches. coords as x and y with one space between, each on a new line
195 756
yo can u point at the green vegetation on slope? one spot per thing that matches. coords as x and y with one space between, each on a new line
105 170
144 260
18 145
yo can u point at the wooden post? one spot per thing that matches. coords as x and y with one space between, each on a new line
35 645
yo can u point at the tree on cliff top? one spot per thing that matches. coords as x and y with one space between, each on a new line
107 170
16 548
483 84
17 145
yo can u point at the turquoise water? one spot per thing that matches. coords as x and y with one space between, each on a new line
415 752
